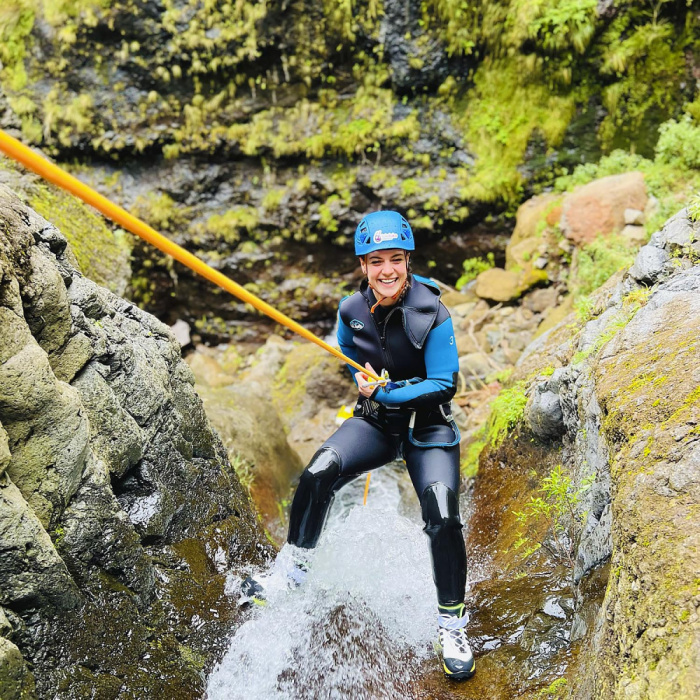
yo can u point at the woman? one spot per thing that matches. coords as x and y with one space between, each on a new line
397 322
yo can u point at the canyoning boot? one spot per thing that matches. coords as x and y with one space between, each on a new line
253 590
457 658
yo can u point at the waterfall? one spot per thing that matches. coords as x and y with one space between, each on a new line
363 622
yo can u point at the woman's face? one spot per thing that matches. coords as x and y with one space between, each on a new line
386 271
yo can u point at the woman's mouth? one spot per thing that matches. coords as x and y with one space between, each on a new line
388 281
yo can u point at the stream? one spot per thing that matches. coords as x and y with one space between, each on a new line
363 623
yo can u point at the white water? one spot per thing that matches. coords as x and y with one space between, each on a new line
362 621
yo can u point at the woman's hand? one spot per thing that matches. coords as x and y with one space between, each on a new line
362 380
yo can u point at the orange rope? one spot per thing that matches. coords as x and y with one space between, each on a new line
17 151
364 502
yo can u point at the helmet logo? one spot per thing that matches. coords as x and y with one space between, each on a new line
356 325
380 236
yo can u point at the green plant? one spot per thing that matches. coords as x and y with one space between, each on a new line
506 410
556 689
469 466
598 261
694 207
473 267
244 471
558 508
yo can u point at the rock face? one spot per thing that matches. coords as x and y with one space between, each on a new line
611 403
116 497
625 401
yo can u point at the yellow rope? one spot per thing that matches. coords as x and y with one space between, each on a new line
33 161
364 502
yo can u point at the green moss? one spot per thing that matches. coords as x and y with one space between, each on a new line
273 199
501 115
160 211
469 465
230 225
102 253
556 689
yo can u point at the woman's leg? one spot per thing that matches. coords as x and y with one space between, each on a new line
435 475
356 447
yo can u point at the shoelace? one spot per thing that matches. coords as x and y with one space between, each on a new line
453 627
459 638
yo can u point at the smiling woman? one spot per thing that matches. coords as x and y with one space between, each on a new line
396 322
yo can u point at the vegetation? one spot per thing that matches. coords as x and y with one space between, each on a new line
326 87
506 410
473 267
244 472
558 508
598 261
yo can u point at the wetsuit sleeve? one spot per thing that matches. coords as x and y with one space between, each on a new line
345 342
442 370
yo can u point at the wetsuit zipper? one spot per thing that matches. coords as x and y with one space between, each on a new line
386 355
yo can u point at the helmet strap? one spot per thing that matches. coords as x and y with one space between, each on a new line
381 298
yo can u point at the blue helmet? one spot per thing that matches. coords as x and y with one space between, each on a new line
381 230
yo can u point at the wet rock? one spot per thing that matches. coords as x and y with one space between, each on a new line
650 265
596 543
418 60
543 412
31 571
16 680
598 208
104 445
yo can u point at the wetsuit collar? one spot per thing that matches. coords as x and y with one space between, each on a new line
419 307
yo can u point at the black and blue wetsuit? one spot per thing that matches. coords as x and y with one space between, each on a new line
414 341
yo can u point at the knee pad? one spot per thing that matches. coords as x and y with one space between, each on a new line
440 508
323 470
313 498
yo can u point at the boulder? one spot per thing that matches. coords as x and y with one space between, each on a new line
649 265
107 465
16 680
598 208
531 215
497 284
634 217
634 235
31 571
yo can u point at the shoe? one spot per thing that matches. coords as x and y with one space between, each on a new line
457 658
253 589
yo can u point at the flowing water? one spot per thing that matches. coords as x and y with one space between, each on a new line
363 623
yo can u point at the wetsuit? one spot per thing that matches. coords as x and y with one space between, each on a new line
414 341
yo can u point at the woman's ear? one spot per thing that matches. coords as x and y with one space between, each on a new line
363 264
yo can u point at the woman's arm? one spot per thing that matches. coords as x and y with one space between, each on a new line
345 342
442 370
